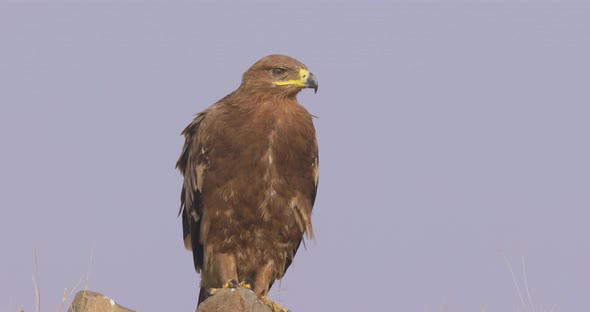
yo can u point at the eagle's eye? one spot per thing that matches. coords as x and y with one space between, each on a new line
278 71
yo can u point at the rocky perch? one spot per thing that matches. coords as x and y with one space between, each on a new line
89 301
226 300
233 299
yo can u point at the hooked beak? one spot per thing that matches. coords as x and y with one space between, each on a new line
306 80
312 82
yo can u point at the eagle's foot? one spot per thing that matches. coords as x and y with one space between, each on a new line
247 283
274 307
229 284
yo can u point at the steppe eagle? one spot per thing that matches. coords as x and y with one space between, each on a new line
250 167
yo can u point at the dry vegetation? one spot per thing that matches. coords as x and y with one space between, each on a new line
526 304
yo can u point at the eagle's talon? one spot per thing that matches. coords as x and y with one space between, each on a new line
232 283
274 307
229 284
248 284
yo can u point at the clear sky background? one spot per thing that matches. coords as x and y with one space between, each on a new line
450 133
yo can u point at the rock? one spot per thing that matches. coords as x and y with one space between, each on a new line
89 301
233 300
226 300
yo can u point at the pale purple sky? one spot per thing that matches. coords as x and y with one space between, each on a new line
449 132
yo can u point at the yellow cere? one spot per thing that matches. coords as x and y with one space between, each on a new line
303 74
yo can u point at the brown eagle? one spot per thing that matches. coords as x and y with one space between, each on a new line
250 167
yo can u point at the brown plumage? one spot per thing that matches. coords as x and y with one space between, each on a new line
250 167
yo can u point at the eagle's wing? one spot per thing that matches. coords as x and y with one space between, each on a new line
312 188
192 163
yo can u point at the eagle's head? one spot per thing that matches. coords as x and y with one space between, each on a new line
279 74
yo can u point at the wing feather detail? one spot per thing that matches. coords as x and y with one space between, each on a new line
192 164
